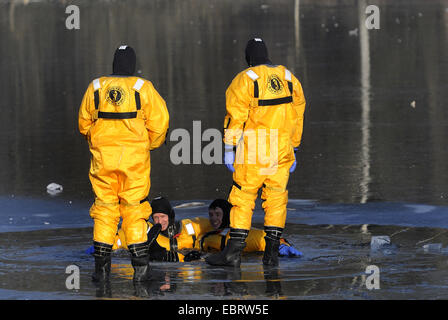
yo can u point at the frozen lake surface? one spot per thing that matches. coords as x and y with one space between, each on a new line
44 237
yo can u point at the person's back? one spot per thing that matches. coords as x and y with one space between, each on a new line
269 90
263 129
128 100
123 118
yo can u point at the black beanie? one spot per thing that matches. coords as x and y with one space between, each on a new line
256 52
124 61
162 205
225 207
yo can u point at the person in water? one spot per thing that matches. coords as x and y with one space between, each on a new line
219 216
172 238
176 236
186 240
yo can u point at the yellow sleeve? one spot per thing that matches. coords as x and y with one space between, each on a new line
156 114
201 226
255 240
191 241
85 119
164 242
299 105
211 243
238 99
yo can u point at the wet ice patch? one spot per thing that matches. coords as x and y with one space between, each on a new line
301 201
432 248
30 214
420 208
189 205
374 213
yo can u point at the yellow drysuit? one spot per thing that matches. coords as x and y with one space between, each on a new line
189 233
254 242
123 118
265 106
193 234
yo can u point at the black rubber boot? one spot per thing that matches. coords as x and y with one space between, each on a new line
102 252
270 256
140 261
231 255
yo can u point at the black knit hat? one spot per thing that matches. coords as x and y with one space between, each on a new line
124 61
256 52
162 205
225 207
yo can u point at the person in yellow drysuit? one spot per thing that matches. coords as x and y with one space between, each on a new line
174 238
123 117
219 215
264 123
184 240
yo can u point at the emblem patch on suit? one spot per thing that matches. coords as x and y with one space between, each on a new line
115 96
275 85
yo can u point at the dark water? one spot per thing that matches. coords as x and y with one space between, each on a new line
335 240
192 49
373 142
333 267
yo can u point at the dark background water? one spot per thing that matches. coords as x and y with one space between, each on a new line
362 139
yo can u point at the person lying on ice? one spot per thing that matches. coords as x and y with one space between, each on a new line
177 238
219 217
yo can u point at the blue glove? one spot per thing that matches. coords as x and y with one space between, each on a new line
293 167
90 250
229 157
285 250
